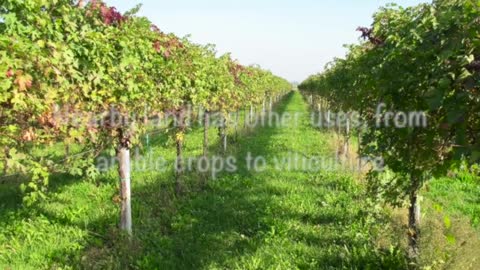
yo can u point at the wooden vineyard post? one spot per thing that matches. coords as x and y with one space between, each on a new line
200 114
347 139
414 218
206 126
360 134
251 116
237 118
223 134
245 118
123 155
328 120
179 165
179 138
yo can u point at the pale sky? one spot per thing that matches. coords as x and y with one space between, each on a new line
292 38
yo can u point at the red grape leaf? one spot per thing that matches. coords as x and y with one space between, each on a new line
24 81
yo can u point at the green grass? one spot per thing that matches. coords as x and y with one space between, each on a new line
457 196
243 220
450 229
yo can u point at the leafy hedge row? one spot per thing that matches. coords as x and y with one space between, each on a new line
81 59
418 59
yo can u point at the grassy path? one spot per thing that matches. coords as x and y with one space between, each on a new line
273 219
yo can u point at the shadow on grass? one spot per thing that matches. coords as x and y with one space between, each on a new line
11 196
